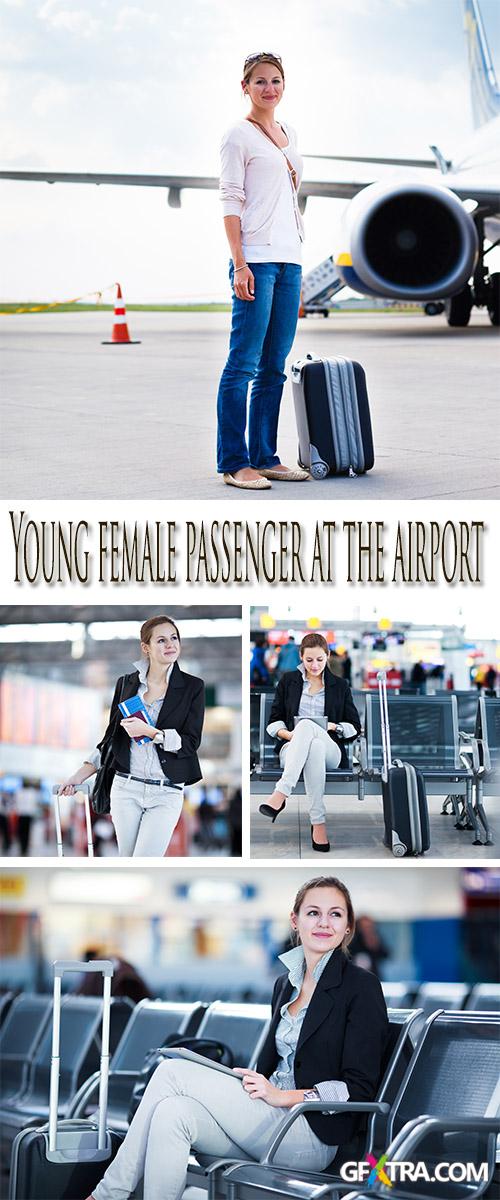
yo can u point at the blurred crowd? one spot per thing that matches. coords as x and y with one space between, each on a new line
269 662
210 823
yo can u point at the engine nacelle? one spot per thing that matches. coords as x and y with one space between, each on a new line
411 241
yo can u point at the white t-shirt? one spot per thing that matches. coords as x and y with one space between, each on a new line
256 186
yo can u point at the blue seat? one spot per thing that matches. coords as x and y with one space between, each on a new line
484 997
80 1053
20 1034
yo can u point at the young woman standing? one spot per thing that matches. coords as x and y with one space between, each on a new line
260 172
147 790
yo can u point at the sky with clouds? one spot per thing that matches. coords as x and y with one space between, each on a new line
150 87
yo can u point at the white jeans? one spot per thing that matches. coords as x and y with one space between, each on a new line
144 816
186 1106
312 751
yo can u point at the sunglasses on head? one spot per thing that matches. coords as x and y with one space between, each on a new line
261 54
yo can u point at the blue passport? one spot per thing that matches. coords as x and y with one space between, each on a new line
135 708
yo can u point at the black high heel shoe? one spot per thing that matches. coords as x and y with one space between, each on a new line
323 847
268 811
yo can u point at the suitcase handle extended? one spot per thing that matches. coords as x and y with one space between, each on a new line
85 789
384 724
103 967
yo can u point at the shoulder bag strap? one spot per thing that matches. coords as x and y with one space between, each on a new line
291 169
118 715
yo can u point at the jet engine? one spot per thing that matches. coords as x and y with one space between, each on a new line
408 241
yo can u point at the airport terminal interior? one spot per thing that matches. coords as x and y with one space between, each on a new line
59 669
443 687
196 956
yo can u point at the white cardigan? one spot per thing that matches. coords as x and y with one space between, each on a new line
256 186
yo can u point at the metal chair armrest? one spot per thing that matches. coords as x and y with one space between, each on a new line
90 1085
325 1106
411 1135
470 742
83 1095
360 748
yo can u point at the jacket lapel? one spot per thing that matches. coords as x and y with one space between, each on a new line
130 686
323 999
329 691
295 693
171 701
268 1056
284 995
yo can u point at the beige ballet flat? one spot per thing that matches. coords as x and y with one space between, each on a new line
252 485
297 476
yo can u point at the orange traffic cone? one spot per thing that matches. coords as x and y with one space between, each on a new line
119 334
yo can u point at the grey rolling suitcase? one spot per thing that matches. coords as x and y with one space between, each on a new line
406 816
84 788
333 416
65 1160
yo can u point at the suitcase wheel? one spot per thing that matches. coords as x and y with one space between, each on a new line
399 849
319 469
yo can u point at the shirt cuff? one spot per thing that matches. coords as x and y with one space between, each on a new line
332 1089
348 730
274 727
94 758
170 740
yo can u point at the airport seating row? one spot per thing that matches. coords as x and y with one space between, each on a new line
481 996
442 1068
425 730
444 1109
25 1052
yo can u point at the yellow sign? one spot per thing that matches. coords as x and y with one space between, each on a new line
12 886
267 622
385 623
314 623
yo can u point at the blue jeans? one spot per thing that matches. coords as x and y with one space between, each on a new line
262 333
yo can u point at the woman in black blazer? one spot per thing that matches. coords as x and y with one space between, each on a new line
147 790
326 1041
312 717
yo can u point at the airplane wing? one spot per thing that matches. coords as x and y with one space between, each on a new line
176 183
487 196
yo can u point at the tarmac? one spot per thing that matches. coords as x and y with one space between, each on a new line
356 829
116 422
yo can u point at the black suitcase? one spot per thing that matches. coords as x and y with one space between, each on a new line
333 416
404 799
66 1160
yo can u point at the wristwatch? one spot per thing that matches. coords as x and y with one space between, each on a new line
339 729
311 1094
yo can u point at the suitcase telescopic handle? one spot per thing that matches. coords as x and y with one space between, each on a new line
98 966
85 789
384 723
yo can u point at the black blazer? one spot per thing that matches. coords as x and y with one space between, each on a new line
339 706
183 709
343 1037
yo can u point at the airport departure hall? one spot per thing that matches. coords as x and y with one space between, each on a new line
444 708
59 669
